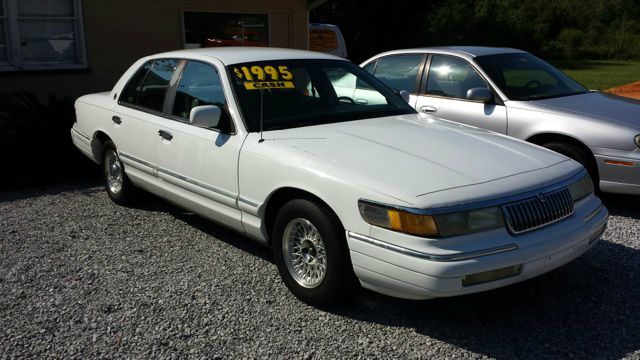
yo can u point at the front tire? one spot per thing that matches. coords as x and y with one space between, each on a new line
311 253
118 186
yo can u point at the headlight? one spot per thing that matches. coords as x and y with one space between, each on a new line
637 140
581 188
459 223
415 223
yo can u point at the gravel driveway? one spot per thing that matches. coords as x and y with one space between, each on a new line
83 277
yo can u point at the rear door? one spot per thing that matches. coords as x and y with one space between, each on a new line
200 163
138 114
443 93
399 72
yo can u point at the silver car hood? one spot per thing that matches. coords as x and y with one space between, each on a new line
594 104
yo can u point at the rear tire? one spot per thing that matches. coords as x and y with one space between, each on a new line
118 186
311 253
578 155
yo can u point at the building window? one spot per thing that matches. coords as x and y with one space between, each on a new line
41 34
208 29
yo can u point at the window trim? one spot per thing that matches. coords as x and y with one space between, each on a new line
497 100
183 25
15 59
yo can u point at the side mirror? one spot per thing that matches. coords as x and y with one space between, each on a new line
404 94
480 94
206 116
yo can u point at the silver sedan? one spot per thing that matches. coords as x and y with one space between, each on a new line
515 93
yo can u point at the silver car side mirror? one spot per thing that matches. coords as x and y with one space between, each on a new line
404 94
206 116
480 94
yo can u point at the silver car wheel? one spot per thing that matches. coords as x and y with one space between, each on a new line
304 253
113 172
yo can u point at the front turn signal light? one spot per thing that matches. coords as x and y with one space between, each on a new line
398 220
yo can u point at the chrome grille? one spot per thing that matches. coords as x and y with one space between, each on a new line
534 212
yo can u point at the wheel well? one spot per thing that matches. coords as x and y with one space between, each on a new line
281 197
96 145
541 139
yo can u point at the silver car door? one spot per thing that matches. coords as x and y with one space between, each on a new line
446 84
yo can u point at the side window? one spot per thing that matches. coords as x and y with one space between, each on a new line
399 72
452 77
370 67
130 92
156 83
199 85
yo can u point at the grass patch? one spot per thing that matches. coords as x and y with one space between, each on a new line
600 74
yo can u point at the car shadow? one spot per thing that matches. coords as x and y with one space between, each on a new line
88 183
150 202
587 309
622 205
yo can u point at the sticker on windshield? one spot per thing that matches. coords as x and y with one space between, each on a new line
265 77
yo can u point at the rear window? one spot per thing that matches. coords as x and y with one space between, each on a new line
156 83
132 89
148 86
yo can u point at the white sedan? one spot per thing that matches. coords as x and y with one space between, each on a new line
269 143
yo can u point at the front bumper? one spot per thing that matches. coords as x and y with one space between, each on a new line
400 272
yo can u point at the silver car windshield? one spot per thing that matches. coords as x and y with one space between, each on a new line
285 94
523 76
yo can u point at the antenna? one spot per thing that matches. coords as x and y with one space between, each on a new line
261 108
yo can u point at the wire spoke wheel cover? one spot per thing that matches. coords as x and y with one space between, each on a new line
304 253
113 172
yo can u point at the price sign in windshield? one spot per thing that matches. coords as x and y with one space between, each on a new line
264 77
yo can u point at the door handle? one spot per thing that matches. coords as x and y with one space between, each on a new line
361 101
116 119
428 109
165 135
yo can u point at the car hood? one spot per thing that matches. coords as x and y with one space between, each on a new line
410 156
596 105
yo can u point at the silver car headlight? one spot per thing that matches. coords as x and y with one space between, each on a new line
415 222
637 140
581 188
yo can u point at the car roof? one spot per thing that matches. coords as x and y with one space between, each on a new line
468 52
241 54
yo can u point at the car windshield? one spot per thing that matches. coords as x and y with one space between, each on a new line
523 76
296 93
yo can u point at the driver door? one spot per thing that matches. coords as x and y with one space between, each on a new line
201 164
444 95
